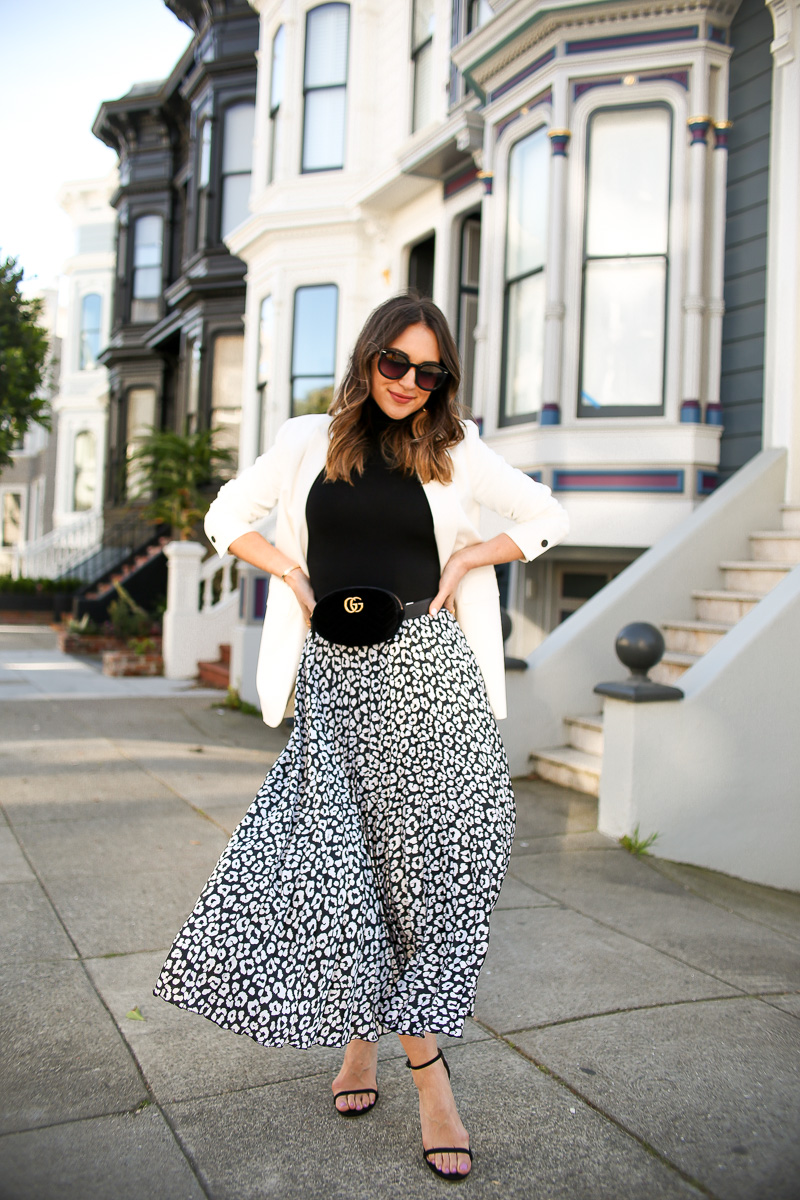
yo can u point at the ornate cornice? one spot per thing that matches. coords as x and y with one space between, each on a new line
615 16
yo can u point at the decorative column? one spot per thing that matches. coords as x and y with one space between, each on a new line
716 271
554 308
694 302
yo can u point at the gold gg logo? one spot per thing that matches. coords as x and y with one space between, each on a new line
353 604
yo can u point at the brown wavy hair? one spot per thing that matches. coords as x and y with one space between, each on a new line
420 443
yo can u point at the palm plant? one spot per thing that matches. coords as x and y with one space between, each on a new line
171 470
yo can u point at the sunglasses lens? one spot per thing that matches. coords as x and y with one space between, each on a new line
428 378
393 365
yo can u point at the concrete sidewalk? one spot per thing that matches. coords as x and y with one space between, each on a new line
637 1030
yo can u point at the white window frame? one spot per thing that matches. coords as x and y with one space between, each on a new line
645 93
304 170
493 266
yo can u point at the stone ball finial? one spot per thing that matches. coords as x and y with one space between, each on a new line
639 647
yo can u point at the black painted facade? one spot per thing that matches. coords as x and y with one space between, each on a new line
750 109
168 137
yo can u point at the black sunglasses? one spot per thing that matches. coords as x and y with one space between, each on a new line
394 364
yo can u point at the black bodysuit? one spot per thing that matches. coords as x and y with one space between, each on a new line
377 531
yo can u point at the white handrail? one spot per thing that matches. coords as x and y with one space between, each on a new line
56 552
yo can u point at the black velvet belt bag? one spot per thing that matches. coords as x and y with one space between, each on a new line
362 616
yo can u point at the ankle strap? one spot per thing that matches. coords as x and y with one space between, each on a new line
429 1063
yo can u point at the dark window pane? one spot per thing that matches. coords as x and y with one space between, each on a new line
581 585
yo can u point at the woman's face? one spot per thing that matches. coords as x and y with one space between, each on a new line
401 397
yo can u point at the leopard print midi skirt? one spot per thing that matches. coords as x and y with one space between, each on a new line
353 898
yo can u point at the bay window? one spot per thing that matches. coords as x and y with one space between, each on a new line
625 263
237 158
84 471
11 519
148 237
91 310
469 276
526 247
265 331
325 87
314 348
275 101
422 59
226 396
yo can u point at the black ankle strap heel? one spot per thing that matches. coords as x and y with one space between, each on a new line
429 1063
450 1176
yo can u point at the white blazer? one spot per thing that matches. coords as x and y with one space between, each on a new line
284 476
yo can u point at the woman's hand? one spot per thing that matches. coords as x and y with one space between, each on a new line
455 569
500 549
301 586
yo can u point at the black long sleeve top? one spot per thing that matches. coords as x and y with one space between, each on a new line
376 531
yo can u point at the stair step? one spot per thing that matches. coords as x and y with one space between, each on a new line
752 576
569 767
672 666
724 606
693 637
790 516
585 733
214 674
776 545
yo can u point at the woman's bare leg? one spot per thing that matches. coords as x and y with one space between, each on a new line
358 1071
441 1124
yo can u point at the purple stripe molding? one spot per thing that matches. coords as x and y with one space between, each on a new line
523 74
618 481
685 33
541 98
707 482
586 85
458 182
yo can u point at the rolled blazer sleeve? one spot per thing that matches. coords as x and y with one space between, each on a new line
242 502
538 520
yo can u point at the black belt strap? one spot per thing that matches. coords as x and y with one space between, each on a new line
417 608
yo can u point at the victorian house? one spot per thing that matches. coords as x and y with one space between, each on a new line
174 356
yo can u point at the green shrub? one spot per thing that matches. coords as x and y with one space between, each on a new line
24 586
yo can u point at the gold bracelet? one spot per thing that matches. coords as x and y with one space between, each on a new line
289 570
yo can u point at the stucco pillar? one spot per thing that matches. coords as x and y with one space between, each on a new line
181 615
782 350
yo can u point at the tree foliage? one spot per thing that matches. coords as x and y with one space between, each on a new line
23 348
173 468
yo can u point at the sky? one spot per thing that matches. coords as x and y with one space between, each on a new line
61 59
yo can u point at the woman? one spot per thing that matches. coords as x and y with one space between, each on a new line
354 897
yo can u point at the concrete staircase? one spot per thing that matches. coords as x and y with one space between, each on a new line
578 763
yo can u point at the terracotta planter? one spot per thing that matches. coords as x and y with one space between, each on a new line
127 662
